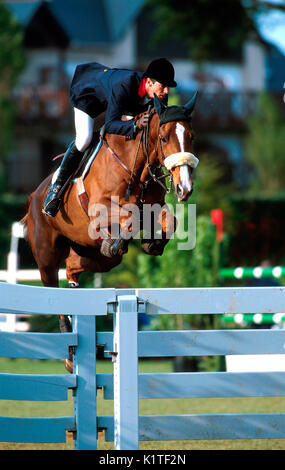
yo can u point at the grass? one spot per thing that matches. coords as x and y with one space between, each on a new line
150 406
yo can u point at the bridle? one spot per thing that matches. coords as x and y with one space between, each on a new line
153 176
165 114
156 179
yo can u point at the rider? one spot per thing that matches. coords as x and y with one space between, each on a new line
96 89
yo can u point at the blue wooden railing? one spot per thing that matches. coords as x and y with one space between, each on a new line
125 345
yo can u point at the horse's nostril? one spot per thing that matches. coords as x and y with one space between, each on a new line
182 193
179 190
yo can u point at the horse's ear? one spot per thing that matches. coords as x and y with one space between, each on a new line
158 105
190 105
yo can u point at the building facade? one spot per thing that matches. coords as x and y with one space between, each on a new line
59 34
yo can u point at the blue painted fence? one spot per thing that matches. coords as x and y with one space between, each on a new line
125 344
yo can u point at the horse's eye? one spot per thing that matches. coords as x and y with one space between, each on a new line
164 140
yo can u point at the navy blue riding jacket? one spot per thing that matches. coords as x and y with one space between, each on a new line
96 88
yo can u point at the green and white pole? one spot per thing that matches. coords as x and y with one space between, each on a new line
250 273
257 318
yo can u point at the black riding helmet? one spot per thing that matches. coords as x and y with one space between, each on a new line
162 71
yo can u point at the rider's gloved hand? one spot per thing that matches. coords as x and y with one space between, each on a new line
141 122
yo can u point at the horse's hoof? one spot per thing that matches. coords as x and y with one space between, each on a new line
65 325
154 248
73 284
111 248
120 246
106 247
68 364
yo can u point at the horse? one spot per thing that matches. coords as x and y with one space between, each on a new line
125 174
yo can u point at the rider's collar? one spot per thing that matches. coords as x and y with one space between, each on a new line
141 90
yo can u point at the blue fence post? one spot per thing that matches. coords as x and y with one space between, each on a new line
85 407
125 357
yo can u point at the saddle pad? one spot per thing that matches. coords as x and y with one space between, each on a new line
79 181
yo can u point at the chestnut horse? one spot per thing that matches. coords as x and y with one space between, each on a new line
124 174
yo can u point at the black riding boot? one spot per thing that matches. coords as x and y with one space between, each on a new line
69 165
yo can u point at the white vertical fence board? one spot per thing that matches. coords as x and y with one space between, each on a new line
126 401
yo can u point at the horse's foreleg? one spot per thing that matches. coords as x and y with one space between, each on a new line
118 242
113 247
124 223
166 223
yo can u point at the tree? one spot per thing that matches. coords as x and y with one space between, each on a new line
211 29
12 62
265 145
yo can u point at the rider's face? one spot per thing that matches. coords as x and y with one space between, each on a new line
158 88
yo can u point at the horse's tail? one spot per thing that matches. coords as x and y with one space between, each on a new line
23 221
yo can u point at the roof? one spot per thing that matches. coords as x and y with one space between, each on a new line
120 14
23 11
85 22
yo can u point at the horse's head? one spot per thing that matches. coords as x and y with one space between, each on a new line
175 142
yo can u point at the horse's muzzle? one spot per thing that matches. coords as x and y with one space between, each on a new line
183 193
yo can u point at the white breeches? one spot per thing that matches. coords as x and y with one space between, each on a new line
83 129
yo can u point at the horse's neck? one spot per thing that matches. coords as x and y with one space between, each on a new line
133 152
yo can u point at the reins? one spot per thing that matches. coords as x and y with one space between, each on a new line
129 188
143 136
152 175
